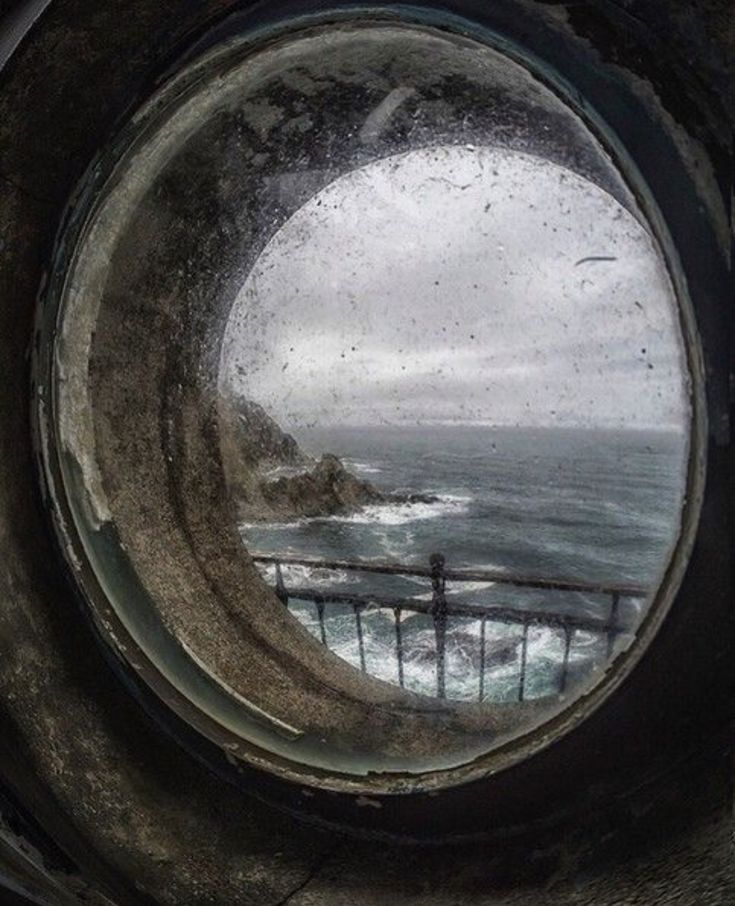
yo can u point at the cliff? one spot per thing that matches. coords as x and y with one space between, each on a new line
272 480
261 442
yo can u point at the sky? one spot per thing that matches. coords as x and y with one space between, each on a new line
460 285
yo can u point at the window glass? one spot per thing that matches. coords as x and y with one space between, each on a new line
467 353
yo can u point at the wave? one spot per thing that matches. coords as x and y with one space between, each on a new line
297 576
465 585
376 514
402 513
365 467
272 526
456 589
452 498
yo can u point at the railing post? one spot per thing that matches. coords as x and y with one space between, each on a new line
439 614
399 644
481 694
613 623
565 663
281 590
320 617
524 663
357 609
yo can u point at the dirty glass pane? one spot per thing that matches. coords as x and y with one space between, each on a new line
473 352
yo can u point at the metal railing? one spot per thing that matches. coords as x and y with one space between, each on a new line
440 610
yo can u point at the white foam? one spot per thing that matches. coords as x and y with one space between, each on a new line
457 587
402 513
376 514
364 467
275 526
296 575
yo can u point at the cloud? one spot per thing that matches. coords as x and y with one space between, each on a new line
444 284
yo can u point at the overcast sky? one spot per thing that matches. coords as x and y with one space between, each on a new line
448 285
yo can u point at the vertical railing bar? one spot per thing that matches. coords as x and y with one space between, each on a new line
360 640
439 614
565 664
524 656
281 590
320 614
399 644
481 696
612 632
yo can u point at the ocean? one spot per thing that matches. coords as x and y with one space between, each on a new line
588 505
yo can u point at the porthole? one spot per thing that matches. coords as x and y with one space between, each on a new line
411 457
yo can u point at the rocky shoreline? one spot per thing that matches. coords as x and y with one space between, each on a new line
254 447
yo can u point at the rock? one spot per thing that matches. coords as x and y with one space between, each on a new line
327 490
261 439
254 445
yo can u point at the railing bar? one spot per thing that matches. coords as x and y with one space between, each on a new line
320 614
439 613
482 661
630 591
493 613
399 644
524 657
281 590
360 641
565 664
612 632
439 608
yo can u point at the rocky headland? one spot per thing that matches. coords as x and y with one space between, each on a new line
271 479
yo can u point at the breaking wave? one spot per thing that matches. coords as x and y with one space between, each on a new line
403 513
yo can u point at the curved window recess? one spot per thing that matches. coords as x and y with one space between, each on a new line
369 410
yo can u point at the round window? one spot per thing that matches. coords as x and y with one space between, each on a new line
368 411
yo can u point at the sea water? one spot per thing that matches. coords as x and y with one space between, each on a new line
589 505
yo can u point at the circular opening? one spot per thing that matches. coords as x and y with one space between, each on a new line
368 414
510 429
